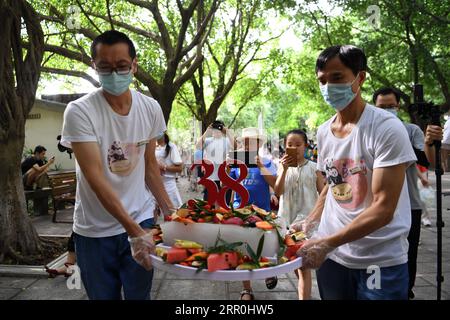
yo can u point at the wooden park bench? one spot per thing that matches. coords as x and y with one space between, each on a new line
63 186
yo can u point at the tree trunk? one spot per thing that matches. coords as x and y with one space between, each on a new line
19 74
165 101
19 240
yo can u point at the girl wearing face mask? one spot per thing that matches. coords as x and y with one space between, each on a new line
298 185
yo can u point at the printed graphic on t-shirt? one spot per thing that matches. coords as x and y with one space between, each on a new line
122 157
348 181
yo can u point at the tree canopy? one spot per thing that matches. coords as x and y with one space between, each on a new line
208 59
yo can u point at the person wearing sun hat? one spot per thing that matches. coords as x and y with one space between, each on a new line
258 182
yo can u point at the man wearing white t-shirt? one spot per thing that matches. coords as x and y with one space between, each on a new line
361 244
112 133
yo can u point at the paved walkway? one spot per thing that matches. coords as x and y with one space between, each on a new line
168 286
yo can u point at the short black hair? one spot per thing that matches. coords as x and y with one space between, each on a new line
112 37
352 57
386 91
39 149
298 132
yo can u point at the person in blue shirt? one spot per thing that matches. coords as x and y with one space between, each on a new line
258 183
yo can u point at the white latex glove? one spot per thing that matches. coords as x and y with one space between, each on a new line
314 252
307 226
141 248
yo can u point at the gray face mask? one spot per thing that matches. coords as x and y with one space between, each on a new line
392 110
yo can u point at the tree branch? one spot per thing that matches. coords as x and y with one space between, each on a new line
72 73
166 42
188 74
87 16
141 32
109 15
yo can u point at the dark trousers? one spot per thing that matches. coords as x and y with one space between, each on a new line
413 239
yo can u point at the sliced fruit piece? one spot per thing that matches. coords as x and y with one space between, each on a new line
244 211
197 263
186 264
198 256
175 255
191 204
186 244
264 225
218 218
298 236
283 259
157 239
234 220
183 213
175 217
263 259
292 250
160 252
288 240
186 220
253 219
246 266
222 261
220 210
260 211
194 251
264 264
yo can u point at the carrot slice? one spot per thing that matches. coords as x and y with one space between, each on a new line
264 225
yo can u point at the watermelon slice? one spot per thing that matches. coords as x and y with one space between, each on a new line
222 261
292 250
175 255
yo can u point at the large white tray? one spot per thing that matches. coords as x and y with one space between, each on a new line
225 275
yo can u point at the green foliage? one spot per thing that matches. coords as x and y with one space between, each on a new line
283 83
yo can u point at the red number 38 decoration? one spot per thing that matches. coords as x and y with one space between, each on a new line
216 195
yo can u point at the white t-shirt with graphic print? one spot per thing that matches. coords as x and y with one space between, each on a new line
122 141
378 140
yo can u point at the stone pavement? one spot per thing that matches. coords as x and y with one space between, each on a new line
168 286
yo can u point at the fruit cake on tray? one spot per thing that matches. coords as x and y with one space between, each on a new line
201 242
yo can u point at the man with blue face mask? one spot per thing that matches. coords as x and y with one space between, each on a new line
112 132
389 100
360 247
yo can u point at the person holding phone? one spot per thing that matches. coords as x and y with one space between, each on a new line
34 169
298 185
261 176
215 143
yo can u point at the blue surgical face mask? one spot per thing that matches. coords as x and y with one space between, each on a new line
392 110
338 95
114 83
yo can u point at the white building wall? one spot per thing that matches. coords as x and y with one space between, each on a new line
44 131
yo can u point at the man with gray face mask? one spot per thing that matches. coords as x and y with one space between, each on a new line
112 133
360 248
389 100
